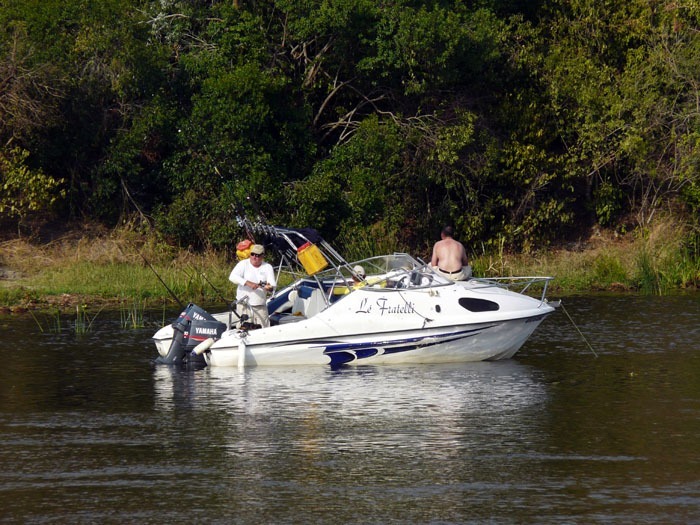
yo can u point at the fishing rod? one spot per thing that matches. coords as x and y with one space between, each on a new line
218 292
172 294
577 329
231 304
236 206
242 223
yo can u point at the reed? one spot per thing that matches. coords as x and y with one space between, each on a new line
132 315
55 323
83 321
52 320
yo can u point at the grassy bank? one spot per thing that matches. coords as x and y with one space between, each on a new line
121 268
106 268
656 261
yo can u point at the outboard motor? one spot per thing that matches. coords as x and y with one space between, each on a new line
192 327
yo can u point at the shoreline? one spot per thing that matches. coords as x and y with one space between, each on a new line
120 268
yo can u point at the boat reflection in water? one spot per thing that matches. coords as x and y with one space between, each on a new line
438 409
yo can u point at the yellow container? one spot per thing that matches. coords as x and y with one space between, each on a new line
243 254
243 249
311 258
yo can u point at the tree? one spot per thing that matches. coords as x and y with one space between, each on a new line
29 93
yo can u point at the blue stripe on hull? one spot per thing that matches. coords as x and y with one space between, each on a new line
342 353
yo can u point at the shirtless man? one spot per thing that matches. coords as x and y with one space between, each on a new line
450 258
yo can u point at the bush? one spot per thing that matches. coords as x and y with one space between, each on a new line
25 190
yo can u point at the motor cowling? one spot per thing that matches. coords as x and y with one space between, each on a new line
193 326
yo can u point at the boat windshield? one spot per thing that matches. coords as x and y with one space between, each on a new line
396 271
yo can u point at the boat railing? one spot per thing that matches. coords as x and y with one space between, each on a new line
521 285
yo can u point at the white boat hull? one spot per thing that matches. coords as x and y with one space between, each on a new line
491 341
380 327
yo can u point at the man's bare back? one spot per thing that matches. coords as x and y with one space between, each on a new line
449 255
450 258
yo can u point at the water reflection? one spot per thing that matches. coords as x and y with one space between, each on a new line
442 391
399 433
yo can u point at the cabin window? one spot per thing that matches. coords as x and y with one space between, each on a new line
478 305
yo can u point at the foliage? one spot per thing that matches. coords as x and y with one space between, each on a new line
24 189
353 187
521 123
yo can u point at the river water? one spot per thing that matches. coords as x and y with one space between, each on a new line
93 432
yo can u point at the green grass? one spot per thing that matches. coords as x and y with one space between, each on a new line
657 262
131 281
68 277
93 274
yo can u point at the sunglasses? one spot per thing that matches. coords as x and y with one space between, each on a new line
256 254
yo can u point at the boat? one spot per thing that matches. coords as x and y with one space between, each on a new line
401 311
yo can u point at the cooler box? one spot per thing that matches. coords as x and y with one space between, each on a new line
311 258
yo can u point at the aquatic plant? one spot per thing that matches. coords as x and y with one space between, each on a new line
53 322
83 321
132 316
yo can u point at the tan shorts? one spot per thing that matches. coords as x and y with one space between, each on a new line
256 314
460 275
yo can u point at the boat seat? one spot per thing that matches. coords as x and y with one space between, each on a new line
308 302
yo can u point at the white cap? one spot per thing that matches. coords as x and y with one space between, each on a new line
359 270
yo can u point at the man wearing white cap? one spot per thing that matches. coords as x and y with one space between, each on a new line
359 275
254 277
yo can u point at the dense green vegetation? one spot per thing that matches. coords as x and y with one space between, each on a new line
523 123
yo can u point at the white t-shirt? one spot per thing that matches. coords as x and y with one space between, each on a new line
245 271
